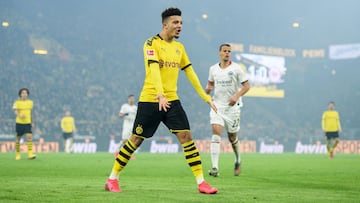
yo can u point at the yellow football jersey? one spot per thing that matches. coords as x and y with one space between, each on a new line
171 58
68 124
23 107
331 121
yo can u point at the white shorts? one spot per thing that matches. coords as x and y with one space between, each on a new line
228 117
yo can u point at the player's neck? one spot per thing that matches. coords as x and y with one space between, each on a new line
166 37
224 64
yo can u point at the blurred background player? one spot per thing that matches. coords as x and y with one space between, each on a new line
128 113
24 122
331 126
226 79
164 57
68 129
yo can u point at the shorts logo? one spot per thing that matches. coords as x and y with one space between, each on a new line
139 130
150 52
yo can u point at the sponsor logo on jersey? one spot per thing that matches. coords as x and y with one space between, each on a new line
169 64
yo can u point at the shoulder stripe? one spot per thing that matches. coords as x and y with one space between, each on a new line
186 66
152 61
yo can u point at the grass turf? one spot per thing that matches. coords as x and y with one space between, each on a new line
167 178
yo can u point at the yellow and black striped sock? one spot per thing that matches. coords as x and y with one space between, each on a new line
17 144
29 146
123 158
192 157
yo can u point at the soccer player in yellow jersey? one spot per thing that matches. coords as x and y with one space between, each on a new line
164 57
24 124
68 129
332 127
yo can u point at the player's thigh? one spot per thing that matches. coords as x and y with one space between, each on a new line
176 119
216 119
148 118
23 129
232 124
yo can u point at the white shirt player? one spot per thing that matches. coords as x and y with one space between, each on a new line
227 82
129 118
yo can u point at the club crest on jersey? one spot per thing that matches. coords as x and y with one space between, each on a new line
177 51
150 53
230 73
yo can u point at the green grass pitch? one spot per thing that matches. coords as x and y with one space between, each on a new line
59 177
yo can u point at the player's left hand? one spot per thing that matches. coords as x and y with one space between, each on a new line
232 101
163 103
212 105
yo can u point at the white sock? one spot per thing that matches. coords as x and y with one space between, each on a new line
215 150
113 176
236 147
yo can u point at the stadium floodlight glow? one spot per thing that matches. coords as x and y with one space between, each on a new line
5 24
204 16
40 51
296 24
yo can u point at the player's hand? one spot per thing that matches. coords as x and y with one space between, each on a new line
212 105
163 103
232 101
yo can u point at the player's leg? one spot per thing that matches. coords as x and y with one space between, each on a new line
177 122
146 122
71 142
31 155
19 128
215 149
232 127
328 143
17 147
235 144
335 143
193 159
335 137
217 123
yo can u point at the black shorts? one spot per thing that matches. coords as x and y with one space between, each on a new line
148 118
330 135
22 129
67 135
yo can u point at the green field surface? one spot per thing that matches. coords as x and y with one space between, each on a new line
59 177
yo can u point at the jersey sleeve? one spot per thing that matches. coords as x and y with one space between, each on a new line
151 54
211 74
185 61
242 77
15 106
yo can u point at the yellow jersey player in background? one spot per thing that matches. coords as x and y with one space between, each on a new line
332 127
68 129
164 57
24 122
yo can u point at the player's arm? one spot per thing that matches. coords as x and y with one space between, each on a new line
323 122
195 82
245 88
209 87
122 114
339 123
157 82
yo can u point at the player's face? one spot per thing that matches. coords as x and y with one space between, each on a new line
131 100
23 94
331 106
173 26
225 53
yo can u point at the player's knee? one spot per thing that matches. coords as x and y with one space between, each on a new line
216 138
